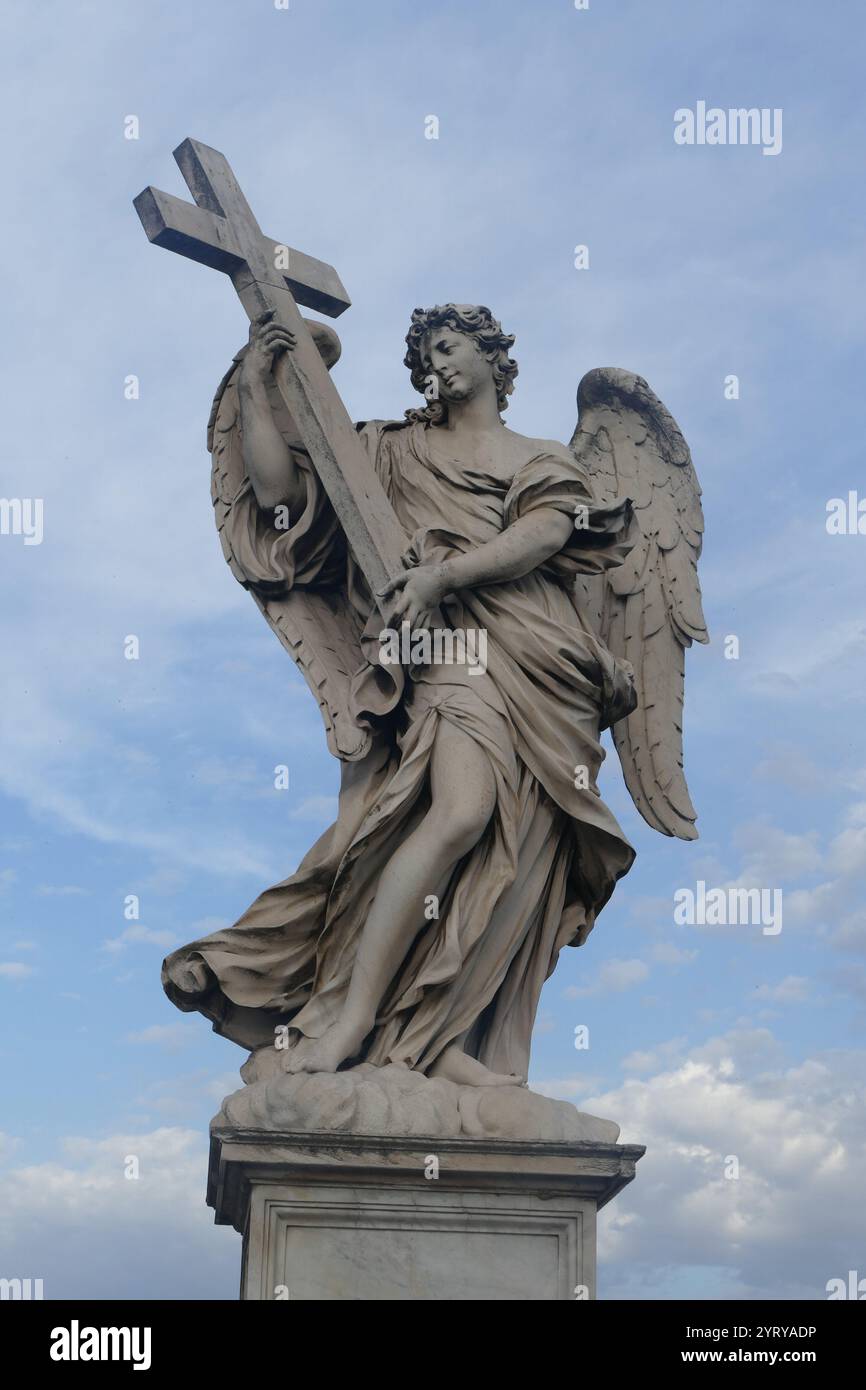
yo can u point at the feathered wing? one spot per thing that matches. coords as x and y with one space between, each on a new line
317 627
647 610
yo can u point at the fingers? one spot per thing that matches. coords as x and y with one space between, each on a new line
408 610
270 336
393 584
401 608
274 330
260 322
277 339
280 345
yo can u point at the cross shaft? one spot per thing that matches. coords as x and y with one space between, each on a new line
219 230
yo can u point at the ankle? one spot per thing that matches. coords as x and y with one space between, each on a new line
355 1023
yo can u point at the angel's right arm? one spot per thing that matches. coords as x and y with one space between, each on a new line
275 478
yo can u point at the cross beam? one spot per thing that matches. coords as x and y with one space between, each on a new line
220 231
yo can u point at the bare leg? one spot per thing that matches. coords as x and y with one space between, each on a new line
462 798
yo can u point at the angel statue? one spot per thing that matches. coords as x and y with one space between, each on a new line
471 843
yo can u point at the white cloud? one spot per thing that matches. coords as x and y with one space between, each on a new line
791 1221
667 954
135 934
8 1144
774 856
850 935
654 1058
89 1232
565 1088
171 1036
613 977
317 808
181 1096
15 970
205 926
792 990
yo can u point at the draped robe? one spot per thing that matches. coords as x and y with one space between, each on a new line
552 851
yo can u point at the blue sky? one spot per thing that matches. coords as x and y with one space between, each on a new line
155 777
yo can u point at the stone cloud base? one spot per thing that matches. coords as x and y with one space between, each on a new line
354 1217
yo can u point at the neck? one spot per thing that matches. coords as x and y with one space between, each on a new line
477 414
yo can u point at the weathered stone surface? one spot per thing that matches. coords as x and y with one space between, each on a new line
394 1101
221 231
407 952
340 1218
424 939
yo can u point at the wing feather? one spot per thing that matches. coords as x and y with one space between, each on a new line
647 610
317 628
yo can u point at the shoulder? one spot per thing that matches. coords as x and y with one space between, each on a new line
387 444
382 435
525 449
381 426
547 474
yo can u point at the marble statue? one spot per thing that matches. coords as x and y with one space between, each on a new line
471 843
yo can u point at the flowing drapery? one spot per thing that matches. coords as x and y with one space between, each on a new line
552 852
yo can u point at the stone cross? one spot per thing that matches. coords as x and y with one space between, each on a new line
219 230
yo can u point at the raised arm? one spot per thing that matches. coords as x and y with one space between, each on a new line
268 460
521 547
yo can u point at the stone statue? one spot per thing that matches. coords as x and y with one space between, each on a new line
471 843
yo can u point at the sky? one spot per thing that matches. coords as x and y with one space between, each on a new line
154 777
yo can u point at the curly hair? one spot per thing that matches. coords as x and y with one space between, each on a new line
476 321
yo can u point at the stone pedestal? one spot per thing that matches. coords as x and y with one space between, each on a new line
355 1217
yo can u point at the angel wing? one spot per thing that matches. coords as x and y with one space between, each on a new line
647 610
317 627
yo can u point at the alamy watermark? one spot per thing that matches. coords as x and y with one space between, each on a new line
22 516
21 1289
713 125
853 1287
441 646
77 1343
846 516
729 907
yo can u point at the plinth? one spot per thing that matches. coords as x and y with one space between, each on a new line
356 1217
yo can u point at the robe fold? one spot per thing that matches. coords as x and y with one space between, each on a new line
552 852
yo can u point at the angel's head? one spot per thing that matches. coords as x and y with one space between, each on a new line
460 348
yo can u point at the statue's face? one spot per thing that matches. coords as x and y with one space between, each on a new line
455 359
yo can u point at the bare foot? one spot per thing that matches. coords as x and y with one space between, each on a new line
326 1053
454 1065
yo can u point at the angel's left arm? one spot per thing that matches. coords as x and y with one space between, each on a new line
520 548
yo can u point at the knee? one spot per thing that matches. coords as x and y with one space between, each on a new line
459 826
